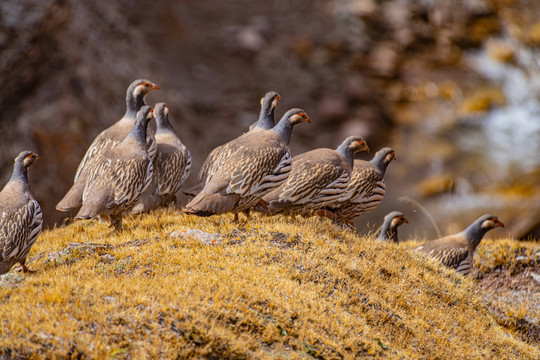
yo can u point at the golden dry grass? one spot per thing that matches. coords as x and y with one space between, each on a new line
272 288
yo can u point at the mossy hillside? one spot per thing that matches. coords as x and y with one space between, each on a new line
266 288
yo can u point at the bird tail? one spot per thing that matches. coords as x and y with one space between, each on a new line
73 198
211 204
146 203
193 190
87 212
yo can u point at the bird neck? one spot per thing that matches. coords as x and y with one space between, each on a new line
134 103
284 130
266 119
387 232
20 173
345 151
163 125
474 234
378 161
138 132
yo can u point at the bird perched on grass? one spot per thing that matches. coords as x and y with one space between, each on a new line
222 152
107 139
20 215
389 229
456 251
172 165
257 162
318 178
366 189
122 174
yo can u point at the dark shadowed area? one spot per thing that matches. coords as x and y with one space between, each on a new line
452 86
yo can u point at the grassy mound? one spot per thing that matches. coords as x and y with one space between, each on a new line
268 288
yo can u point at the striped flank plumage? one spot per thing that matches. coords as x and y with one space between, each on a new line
20 215
120 177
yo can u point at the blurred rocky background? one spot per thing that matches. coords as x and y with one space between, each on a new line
453 86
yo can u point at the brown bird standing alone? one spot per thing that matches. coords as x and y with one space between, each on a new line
122 174
20 215
456 251
257 162
107 139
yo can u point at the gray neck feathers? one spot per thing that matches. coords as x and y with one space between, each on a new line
266 116
163 123
284 128
20 172
379 161
387 232
474 233
134 103
347 153
138 132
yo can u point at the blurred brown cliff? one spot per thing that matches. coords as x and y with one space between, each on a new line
377 68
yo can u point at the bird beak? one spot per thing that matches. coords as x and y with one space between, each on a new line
364 146
500 223
405 220
155 87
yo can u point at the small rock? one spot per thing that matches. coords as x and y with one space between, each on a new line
108 258
536 277
109 298
196 234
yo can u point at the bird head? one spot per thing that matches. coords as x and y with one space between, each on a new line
297 116
398 220
272 98
357 144
146 112
491 222
27 158
391 155
142 87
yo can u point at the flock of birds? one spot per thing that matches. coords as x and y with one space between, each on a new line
127 168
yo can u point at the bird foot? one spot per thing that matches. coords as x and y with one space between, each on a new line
26 270
326 213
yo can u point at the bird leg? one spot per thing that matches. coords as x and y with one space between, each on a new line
116 222
326 213
25 269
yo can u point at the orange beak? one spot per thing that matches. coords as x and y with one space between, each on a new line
365 147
